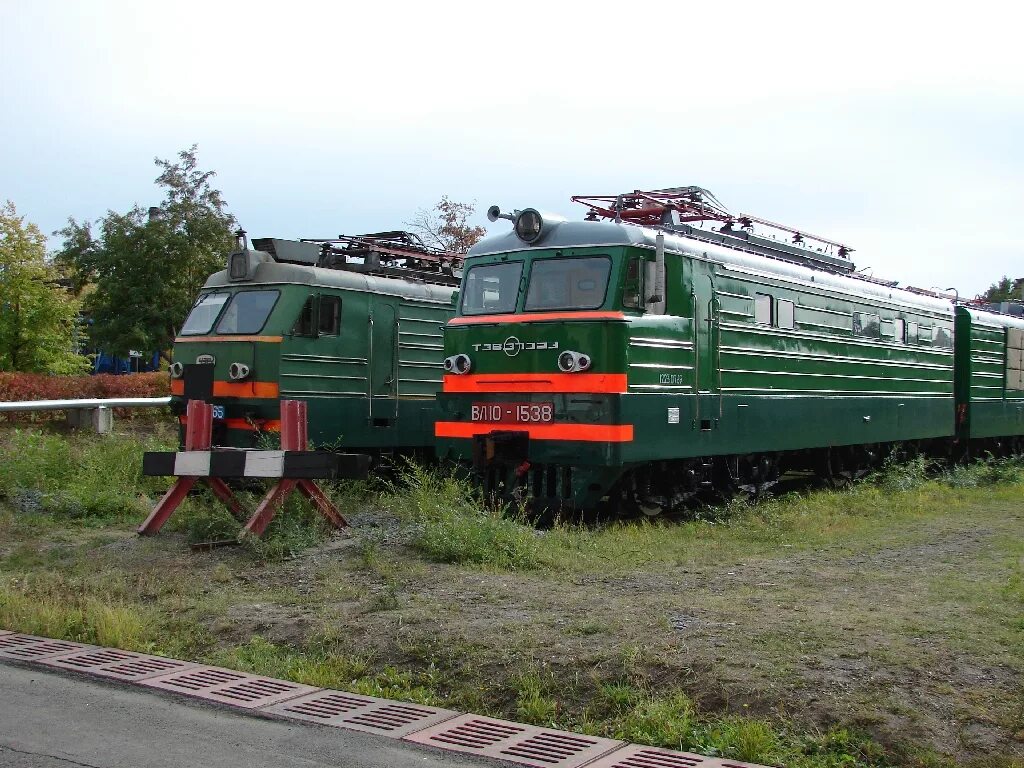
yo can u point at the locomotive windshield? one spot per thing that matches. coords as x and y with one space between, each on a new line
491 288
568 283
205 311
247 312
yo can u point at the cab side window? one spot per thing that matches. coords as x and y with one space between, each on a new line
330 315
785 314
762 309
632 286
304 323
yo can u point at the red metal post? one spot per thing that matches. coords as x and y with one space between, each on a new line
319 499
167 505
268 507
294 437
222 492
198 437
302 425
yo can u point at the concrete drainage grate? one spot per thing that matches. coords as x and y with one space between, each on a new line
119 665
362 713
227 687
637 756
32 648
515 742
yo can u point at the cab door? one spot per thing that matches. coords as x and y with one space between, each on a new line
707 340
383 363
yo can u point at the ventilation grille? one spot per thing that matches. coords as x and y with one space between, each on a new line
31 648
228 687
362 713
117 664
523 744
637 756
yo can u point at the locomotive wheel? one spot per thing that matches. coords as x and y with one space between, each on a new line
662 489
749 476
836 469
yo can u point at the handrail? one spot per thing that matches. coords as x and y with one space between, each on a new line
69 405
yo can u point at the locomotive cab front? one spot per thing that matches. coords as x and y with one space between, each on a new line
540 357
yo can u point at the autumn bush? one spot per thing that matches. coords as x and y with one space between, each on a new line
37 386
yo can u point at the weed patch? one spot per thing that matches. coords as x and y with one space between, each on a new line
87 477
87 620
448 522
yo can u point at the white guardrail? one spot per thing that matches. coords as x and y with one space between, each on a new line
96 413
71 405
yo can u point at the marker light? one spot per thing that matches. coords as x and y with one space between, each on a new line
458 364
177 369
573 362
238 371
529 224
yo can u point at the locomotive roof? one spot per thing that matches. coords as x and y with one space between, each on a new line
992 318
582 234
270 272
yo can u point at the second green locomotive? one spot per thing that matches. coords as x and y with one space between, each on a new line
351 325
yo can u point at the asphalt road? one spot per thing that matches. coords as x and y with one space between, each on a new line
54 720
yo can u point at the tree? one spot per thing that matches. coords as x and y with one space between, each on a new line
1003 289
38 317
445 226
148 265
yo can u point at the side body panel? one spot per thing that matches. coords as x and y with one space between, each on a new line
990 397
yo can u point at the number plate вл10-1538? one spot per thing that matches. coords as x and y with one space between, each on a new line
513 413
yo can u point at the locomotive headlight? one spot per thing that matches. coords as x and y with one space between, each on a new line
458 364
238 371
529 224
573 362
177 369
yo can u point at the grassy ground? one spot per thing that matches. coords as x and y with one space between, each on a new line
882 625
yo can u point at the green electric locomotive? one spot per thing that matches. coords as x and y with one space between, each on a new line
664 346
351 325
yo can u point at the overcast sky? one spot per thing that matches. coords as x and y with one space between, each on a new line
895 127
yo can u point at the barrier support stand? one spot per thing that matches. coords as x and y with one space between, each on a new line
198 436
294 437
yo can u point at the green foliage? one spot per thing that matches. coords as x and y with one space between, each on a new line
323 663
990 471
898 474
661 721
148 270
450 524
743 738
533 703
38 318
97 477
80 618
1004 289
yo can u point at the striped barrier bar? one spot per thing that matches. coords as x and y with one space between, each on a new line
310 465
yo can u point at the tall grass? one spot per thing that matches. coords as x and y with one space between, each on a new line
448 522
86 619
77 477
